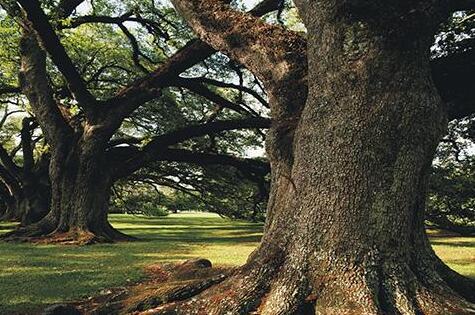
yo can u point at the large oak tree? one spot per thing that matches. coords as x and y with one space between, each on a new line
351 145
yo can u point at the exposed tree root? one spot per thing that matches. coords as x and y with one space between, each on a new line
29 232
194 287
384 289
44 232
167 282
246 291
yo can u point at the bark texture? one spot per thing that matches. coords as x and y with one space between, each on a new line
345 232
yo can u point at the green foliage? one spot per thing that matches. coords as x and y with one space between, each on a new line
451 202
9 60
138 199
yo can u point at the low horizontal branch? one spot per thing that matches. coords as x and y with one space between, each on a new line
133 158
255 166
200 89
190 132
7 89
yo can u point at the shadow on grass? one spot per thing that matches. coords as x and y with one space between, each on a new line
454 243
34 275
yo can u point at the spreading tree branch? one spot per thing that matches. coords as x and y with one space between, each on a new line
256 50
66 7
8 163
7 89
205 92
148 87
136 158
241 88
50 41
190 132
257 167
276 55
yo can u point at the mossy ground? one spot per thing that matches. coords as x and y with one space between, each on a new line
34 275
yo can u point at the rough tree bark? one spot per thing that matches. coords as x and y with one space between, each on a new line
345 232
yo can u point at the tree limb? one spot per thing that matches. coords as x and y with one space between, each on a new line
135 48
453 75
7 114
203 91
151 152
276 55
10 181
35 86
66 7
243 164
148 87
241 88
52 44
7 89
190 132
8 163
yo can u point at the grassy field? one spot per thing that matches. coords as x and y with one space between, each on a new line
32 275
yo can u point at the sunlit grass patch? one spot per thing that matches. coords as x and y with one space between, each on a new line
457 252
34 275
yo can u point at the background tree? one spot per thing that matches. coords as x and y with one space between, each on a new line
81 111
23 165
226 191
451 204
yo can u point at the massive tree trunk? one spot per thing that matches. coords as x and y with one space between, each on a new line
345 230
79 173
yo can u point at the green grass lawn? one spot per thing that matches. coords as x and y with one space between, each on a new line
32 275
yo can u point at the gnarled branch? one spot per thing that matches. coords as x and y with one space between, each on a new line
148 87
152 151
276 55
50 41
